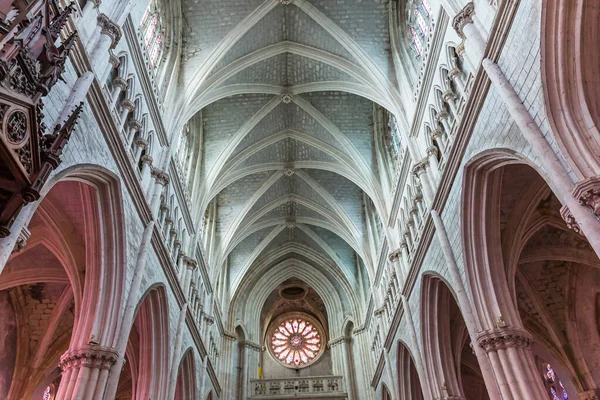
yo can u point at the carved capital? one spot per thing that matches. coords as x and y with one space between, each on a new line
135 124
128 104
395 256
587 192
90 356
501 339
161 177
421 167
593 394
436 134
114 61
140 142
572 224
177 243
190 263
169 221
448 96
432 151
442 115
338 340
464 17
110 29
454 73
120 82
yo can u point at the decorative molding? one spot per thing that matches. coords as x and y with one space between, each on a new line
464 17
110 29
502 339
89 356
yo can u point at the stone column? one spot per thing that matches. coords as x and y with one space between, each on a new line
438 136
77 96
492 370
177 352
558 178
84 372
432 154
456 76
89 6
140 145
473 42
449 97
511 358
110 34
127 106
417 352
135 127
394 258
190 265
120 85
146 170
442 118
420 170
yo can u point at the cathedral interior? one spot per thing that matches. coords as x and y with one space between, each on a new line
312 199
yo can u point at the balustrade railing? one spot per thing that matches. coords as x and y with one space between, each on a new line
312 387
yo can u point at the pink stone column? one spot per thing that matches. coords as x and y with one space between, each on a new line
81 370
556 175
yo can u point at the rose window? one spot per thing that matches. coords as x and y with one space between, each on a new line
296 342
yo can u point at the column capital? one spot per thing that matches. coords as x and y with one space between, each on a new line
110 29
442 115
128 104
432 151
135 124
190 263
395 255
448 95
90 356
572 224
436 134
120 82
146 159
160 176
464 17
500 339
141 142
587 193
593 394
421 167
454 73
114 61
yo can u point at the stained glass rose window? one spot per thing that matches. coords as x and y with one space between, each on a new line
296 342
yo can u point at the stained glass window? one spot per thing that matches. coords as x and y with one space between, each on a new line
551 379
426 6
48 393
153 37
416 41
550 374
296 342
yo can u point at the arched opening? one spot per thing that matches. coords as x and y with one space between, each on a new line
145 373
186 378
408 377
449 359
536 276
50 297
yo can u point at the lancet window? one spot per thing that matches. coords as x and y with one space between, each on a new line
419 23
152 34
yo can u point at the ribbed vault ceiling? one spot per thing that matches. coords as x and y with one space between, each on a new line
285 93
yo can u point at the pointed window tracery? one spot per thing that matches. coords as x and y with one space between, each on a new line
296 342
152 35
419 22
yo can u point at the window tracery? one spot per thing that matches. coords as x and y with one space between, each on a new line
296 342
419 23
394 140
48 393
152 34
